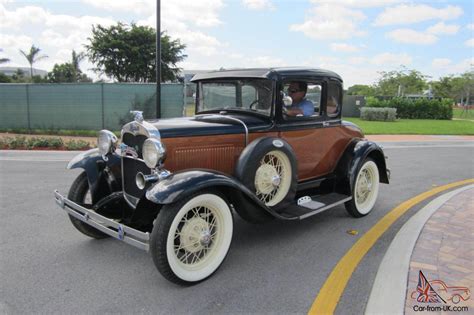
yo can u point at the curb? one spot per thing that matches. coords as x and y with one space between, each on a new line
389 288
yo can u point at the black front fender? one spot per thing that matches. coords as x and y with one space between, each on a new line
183 183
171 189
99 172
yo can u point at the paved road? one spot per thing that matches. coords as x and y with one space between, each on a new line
48 267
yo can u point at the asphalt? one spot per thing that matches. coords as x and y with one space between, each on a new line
442 248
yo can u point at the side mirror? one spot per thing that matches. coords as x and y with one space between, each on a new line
288 101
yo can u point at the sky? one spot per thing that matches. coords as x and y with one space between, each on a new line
358 39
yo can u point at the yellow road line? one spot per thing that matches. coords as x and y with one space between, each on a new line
331 291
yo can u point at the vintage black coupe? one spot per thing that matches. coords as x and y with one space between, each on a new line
170 186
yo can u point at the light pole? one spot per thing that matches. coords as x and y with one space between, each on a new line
158 59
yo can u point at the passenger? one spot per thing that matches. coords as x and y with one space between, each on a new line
301 106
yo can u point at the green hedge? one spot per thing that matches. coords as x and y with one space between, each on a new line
378 114
422 108
19 142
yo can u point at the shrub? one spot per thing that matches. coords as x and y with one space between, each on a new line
422 108
19 142
16 142
77 145
378 114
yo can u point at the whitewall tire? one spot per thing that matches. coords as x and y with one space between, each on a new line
365 189
191 238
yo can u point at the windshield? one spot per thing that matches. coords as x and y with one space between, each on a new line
253 95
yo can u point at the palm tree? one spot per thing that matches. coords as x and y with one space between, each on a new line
76 59
32 57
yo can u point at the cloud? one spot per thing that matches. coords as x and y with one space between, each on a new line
358 60
258 4
136 6
470 26
30 15
408 36
441 28
414 13
227 60
331 22
343 47
441 62
469 42
391 59
201 13
358 3
196 41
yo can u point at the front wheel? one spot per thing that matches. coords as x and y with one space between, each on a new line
80 193
191 238
365 190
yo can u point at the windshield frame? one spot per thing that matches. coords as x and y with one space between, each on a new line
199 83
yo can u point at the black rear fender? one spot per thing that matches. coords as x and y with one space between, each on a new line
350 162
104 177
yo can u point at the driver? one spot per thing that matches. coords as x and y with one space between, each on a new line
301 106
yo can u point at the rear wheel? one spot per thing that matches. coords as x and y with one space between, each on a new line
268 168
365 190
191 238
80 194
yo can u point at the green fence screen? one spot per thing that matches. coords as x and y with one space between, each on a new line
84 106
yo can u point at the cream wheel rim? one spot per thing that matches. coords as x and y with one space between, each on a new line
199 237
366 187
273 178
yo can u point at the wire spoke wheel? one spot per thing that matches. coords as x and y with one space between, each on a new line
366 187
196 236
273 177
191 238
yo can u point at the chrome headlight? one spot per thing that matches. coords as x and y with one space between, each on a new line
106 142
153 152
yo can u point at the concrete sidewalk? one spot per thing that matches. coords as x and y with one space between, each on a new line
417 138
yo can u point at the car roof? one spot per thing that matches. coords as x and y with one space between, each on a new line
266 73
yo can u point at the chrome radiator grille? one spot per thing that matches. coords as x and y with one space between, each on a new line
131 167
132 164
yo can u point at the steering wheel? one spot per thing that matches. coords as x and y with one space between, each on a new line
253 103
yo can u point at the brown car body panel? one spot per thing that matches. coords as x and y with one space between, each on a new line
216 152
317 150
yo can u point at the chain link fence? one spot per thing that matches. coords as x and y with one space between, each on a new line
84 106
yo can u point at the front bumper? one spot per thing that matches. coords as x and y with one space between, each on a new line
108 226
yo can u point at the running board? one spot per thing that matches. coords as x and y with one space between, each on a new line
308 206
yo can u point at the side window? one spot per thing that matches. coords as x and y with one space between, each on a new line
305 99
334 99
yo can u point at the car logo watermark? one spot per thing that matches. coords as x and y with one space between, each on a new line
439 293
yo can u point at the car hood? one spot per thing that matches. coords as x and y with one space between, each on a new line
206 125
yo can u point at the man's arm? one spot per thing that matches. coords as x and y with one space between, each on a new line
293 111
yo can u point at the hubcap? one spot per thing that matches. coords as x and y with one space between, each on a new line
268 179
276 180
273 178
195 235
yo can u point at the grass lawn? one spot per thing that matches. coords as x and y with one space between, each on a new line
466 115
415 127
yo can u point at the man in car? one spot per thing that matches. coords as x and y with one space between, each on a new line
301 106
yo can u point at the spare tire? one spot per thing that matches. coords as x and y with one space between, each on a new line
268 167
